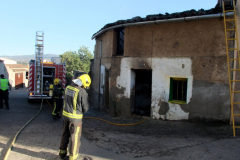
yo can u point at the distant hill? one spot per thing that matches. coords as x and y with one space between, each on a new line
27 58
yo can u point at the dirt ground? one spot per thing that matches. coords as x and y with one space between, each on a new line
152 139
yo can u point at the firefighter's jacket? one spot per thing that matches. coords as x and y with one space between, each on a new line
75 103
57 92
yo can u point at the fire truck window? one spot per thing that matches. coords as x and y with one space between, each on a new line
49 71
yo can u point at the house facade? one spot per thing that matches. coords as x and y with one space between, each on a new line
171 66
17 75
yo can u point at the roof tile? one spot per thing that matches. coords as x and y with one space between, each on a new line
187 13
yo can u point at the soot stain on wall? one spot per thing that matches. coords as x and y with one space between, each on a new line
164 107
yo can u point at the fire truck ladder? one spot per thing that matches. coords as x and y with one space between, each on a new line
38 64
232 58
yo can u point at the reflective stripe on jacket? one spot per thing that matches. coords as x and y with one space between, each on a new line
4 84
71 93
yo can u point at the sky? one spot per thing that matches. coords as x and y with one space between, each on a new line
70 24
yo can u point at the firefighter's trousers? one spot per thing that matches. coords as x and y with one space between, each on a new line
4 96
58 105
72 131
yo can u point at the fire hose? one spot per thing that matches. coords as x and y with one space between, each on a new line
15 137
108 121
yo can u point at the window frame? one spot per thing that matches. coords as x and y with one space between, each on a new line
171 90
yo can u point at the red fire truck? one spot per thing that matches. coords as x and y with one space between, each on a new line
40 80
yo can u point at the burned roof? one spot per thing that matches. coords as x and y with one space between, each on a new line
166 16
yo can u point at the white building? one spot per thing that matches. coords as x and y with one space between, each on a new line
8 61
3 69
16 73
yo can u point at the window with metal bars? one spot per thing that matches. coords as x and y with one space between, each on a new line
178 90
120 41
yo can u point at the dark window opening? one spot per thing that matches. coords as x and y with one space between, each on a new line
120 41
178 90
26 75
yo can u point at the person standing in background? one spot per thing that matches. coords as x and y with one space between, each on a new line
4 86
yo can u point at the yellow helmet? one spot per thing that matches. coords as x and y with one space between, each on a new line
57 81
86 80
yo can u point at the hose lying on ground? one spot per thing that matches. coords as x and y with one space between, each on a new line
108 121
14 139
116 123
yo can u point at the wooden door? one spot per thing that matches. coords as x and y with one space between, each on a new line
18 80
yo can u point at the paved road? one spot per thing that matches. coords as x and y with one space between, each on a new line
41 138
153 139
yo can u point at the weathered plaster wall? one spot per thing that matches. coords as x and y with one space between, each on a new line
205 100
107 44
123 83
238 17
163 69
102 61
237 85
193 38
94 88
124 80
194 50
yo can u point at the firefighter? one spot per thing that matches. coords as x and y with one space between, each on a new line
4 86
75 104
57 97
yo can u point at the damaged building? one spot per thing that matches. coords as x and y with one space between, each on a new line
171 66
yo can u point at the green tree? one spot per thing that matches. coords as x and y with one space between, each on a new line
79 60
85 56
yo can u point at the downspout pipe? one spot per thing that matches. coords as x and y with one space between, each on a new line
164 21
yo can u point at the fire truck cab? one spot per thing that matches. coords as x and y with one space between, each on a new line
40 80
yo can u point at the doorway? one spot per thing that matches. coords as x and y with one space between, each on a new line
18 80
143 92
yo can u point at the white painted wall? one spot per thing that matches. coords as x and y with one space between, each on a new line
162 70
8 61
11 76
124 80
2 67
